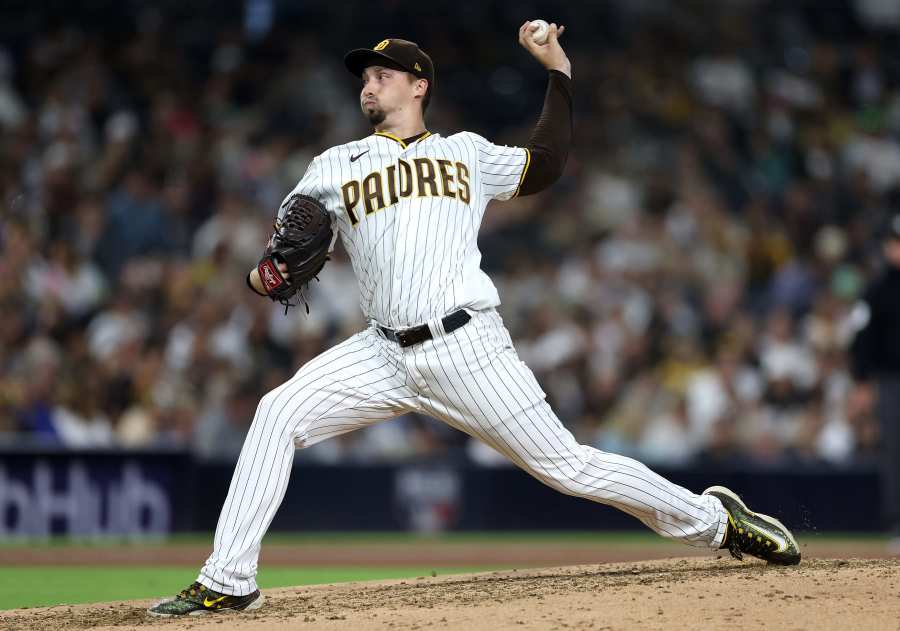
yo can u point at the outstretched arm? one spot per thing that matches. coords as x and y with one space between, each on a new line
551 139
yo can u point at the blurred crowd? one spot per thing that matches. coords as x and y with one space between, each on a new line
683 294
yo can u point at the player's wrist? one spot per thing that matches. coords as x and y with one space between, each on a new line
562 68
254 282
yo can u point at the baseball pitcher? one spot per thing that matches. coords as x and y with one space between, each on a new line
407 205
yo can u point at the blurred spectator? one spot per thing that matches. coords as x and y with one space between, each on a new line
668 440
35 376
233 227
122 323
79 419
68 279
219 432
728 390
136 223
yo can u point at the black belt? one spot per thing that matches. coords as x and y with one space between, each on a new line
418 334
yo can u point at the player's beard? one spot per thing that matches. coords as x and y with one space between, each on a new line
376 115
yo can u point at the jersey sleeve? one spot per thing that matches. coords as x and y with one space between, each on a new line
310 184
501 168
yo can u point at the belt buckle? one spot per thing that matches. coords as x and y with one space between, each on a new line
401 336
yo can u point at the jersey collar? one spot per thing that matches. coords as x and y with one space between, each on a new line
404 142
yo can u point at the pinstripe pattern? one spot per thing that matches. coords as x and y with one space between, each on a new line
473 380
497 399
352 385
416 259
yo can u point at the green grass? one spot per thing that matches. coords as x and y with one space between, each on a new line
54 585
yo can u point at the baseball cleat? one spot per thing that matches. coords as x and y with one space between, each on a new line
198 600
753 533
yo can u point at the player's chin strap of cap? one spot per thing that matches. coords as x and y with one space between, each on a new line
432 329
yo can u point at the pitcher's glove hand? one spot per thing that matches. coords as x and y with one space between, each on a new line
301 241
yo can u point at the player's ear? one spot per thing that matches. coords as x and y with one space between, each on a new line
421 86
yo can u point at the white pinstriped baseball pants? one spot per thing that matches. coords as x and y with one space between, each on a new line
471 379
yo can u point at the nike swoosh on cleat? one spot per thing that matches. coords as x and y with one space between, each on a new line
358 156
209 603
781 541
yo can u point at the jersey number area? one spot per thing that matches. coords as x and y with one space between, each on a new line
422 177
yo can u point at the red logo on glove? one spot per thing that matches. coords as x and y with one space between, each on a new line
269 275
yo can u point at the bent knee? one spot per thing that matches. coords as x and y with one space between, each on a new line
279 412
267 409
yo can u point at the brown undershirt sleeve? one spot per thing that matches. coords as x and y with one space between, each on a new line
551 139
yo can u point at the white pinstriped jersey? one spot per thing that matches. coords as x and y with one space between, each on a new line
409 218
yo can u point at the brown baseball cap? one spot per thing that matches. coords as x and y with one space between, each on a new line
399 53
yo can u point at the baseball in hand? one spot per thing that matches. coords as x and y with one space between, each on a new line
539 31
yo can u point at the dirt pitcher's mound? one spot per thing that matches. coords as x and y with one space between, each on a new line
676 593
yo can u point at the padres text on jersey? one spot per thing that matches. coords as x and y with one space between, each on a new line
408 216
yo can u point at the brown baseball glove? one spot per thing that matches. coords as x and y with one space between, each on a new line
301 241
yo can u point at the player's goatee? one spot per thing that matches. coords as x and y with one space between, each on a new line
376 116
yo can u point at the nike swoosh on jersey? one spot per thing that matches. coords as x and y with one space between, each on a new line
209 603
781 541
358 156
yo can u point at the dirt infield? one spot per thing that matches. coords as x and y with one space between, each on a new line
690 593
